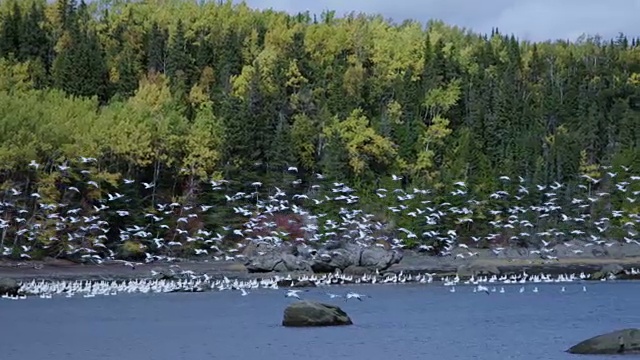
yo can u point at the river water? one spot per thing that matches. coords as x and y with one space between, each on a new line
397 322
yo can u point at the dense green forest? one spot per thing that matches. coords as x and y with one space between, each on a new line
180 93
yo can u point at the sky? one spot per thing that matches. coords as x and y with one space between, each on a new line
534 20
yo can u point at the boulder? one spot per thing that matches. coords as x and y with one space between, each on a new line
283 283
477 267
371 258
292 263
516 253
614 269
304 284
263 263
276 261
163 274
254 249
234 267
331 257
306 252
9 286
328 261
379 258
599 251
623 250
572 250
322 265
332 245
354 270
308 313
598 275
610 343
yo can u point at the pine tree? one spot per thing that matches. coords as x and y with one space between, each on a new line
11 32
156 53
35 41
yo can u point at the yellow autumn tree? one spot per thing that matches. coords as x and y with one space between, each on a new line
362 143
436 102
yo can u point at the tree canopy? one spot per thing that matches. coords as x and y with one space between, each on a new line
180 93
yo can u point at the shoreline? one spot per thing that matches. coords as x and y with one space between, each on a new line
53 270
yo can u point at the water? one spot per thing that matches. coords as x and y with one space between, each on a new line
398 322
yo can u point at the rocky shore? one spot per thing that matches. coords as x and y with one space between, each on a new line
263 263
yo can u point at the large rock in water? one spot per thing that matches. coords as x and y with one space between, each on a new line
308 313
9 286
610 343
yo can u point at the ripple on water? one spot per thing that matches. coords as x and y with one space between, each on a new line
398 322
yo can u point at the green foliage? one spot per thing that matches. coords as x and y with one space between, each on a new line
363 145
132 250
176 93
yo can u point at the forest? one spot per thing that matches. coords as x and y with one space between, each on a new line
183 93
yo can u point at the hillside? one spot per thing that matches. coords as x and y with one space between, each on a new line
177 95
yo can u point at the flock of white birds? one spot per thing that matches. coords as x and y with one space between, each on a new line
197 283
546 214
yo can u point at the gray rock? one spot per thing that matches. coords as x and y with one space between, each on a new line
477 267
397 257
623 250
614 269
343 258
332 245
306 252
599 251
376 257
516 253
308 313
321 265
329 261
353 255
278 262
610 343
572 250
304 284
164 274
356 270
264 263
9 286
254 249
290 262
332 257
203 286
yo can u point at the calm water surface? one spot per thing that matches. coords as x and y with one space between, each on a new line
398 322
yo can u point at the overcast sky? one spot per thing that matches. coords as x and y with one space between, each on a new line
535 20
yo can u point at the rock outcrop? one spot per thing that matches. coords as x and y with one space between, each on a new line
276 261
9 287
308 313
292 283
621 341
334 255
476 268
341 256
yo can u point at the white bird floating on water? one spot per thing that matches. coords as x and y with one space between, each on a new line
293 294
354 295
197 283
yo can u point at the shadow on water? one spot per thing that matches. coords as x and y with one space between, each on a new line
399 321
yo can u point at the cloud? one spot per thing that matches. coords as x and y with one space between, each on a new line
535 20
